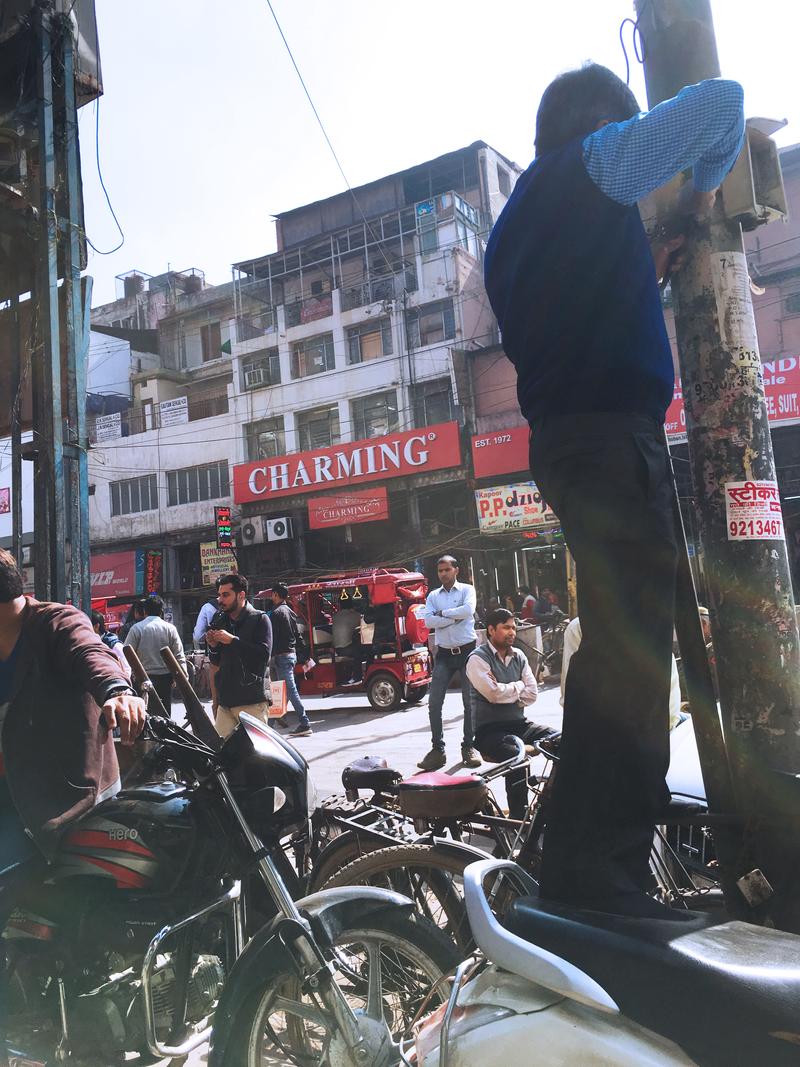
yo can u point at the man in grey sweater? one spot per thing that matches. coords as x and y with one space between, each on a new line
147 638
502 685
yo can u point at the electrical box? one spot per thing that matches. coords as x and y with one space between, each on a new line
753 192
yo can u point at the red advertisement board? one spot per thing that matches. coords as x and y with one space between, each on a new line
420 451
365 505
500 452
113 574
782 388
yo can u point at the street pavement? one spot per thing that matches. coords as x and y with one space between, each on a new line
346 727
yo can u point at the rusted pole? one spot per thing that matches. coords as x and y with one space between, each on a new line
733 469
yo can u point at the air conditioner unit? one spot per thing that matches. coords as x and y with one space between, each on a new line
256 376
251 531
278 529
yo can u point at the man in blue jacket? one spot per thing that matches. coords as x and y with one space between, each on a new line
572 280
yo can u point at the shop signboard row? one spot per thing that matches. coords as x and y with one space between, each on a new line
509 508
138 572
216 561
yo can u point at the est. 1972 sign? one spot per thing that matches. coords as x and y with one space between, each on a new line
513 507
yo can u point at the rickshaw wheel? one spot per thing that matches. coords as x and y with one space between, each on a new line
417 694
384 692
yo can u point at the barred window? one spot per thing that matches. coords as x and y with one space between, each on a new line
313 356
369 340
431 323
374 416
192 484
317 428
133 495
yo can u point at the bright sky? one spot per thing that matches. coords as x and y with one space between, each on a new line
205 130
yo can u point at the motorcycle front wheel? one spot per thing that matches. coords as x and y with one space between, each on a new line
386 969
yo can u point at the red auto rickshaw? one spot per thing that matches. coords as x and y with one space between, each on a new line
364 633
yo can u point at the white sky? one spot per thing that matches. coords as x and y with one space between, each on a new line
205 130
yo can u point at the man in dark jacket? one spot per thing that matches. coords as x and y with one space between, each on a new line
284 651
240 644
574 284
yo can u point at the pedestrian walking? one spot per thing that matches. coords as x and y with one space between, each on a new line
147 638
502 685
110 640
450 613
240 643
284 653
574 284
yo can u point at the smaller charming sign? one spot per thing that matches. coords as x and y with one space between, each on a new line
513 507
368 505
753 511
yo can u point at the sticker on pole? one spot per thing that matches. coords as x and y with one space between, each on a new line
737 324
753 511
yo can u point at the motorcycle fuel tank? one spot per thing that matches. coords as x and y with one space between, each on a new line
140 840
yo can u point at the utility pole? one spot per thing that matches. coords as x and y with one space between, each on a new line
739 521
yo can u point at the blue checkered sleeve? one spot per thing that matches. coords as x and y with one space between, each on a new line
702 127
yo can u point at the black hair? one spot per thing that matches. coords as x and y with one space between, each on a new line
10 578
99 619
498 615
447 559
153 605
138 608
576 102
237 581
281 590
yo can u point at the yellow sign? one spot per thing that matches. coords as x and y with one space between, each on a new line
215 561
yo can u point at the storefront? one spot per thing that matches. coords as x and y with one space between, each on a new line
117 578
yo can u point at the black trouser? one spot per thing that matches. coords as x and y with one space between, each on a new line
608 479
162 683
494 744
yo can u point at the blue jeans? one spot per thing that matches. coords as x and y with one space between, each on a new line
444 668
284 668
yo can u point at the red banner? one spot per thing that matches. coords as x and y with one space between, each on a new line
368 505
419 451
113 574
500 452
782 388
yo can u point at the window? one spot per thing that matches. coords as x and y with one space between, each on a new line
792 304
317 428
265 439
313 356
369 340
211 341
261 368
433 402
503 181
375 416
191 484
426 227
134 495
431 323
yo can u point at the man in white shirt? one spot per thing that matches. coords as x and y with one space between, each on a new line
503 685
147 638
450 613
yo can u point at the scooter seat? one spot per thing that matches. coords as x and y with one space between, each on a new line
434 795
726 993
369 772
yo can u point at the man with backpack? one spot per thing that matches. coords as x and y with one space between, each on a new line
285 640
110 640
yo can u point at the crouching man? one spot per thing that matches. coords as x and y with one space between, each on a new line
503 685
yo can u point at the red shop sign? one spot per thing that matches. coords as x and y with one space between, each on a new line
429 448
365 505
500 452
113 574
782 389
153 570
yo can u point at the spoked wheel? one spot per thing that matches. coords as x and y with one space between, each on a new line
386 970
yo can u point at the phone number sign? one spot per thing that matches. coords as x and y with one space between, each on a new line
753 511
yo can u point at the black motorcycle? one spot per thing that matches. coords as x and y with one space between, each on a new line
134 947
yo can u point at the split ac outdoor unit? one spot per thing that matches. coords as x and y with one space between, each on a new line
278 529
251 531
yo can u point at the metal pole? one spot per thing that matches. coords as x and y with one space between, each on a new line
76 339
16 431
751 603
49 521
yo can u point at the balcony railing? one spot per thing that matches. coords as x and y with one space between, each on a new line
376 290
251 326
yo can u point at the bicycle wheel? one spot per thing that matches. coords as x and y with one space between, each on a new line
385 968
430 876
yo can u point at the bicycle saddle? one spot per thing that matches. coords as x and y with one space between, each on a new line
727 993
434 795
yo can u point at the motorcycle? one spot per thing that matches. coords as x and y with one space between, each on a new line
586 987
134 946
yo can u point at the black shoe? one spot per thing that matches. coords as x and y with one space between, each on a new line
434 760
469 757
301 731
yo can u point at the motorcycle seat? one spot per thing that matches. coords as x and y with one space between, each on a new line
369 772
434 795
726 993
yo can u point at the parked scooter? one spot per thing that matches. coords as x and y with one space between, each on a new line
134 945
554 985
